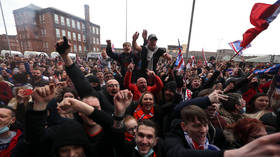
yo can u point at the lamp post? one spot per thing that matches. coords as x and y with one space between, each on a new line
190 29
5 28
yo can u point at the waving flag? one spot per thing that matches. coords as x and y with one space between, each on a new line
204 58
269 70
180 59
113 48
261 16
235 45
193 61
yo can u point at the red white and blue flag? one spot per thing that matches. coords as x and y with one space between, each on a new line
204 58
180 59
113 48
261 16
235 45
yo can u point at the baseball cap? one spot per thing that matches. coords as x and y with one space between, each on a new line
152 36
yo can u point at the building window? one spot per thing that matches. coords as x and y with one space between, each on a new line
78 25
43 32
68 22
83 27
47 45
74 36
79 37
56 19
84 38
69 35
80 48
96 41
28 44
62 20
96 30
93 40
63 33
93 30
75 48
94 49
42 18
85 48
57 33
73 24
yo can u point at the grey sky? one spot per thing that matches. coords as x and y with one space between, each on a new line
216 22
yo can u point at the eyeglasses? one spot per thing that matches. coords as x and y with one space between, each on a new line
113 85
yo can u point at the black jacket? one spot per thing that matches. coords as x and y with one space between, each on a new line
176 145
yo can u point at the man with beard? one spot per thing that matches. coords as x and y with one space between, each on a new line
37 78
94 82
106 96
169 101
83 86
141 84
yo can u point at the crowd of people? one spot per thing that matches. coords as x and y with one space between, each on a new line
137 104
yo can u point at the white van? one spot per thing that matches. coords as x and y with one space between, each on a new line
13 53
28 54
54 54
45 54
93 55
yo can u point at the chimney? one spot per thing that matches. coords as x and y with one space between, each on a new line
87 12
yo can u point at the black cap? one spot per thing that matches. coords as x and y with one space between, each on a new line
212 58
93 78
152 36
172 85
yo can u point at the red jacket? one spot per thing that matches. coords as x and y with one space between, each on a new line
155 89
13 143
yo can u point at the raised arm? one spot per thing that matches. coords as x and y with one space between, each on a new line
81 84
134 42
158 83
109 51
127 77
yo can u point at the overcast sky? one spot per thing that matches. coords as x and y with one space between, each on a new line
216 22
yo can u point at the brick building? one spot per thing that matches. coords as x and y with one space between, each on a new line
13 42
38 29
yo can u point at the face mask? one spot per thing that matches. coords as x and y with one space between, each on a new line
243 110
148 154
4 129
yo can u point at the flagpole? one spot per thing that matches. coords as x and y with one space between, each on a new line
190 29
126 21
5 28
236 54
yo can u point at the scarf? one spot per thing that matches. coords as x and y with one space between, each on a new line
196 146
150 54
140 115
128 137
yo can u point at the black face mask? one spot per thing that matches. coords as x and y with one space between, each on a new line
255 84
